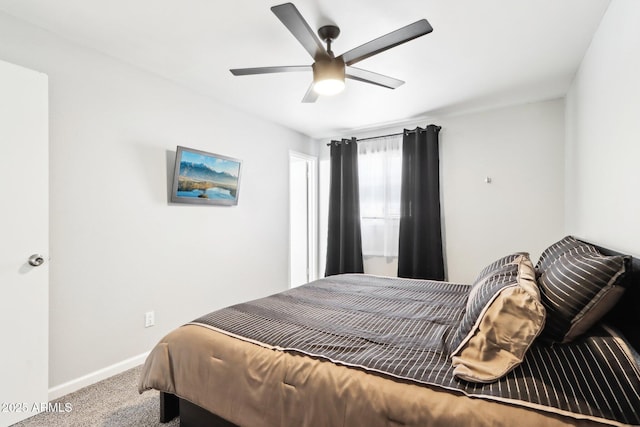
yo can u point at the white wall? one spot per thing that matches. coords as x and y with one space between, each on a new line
522 149
118 249
603 135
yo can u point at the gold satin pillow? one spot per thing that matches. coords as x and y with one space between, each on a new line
506 327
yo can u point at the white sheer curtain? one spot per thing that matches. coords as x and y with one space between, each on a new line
380 167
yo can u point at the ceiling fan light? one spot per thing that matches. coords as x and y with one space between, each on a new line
328 76
328 86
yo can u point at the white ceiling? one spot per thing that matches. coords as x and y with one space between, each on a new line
481 53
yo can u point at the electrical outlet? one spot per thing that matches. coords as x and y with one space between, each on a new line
149 319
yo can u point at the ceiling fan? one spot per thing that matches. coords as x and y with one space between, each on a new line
330 71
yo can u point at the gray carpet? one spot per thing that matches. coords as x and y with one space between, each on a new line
112 402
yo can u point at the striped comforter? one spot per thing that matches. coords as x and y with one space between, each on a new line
401 328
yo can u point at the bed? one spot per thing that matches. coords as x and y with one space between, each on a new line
365 350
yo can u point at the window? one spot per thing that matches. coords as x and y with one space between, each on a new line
380 175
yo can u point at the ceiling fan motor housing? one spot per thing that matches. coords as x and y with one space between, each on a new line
328 75
326 68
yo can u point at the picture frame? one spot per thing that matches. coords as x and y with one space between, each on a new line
205 178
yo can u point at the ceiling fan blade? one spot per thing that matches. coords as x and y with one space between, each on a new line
311 95
295 23
270 70
374 78
395 38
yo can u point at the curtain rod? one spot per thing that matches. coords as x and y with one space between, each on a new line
385 136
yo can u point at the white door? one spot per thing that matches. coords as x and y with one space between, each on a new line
24 231
302 223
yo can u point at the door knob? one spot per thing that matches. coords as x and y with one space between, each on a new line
36 260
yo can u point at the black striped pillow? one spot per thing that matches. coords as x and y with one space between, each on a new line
495 266
484 288
577 288
555 251
503 316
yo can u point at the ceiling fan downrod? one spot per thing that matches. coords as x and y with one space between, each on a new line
328 34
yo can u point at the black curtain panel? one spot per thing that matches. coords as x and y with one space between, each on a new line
420 242
344 241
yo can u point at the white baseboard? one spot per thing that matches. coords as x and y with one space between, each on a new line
94 377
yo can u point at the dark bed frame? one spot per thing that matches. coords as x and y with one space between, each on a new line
625 317
191 415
